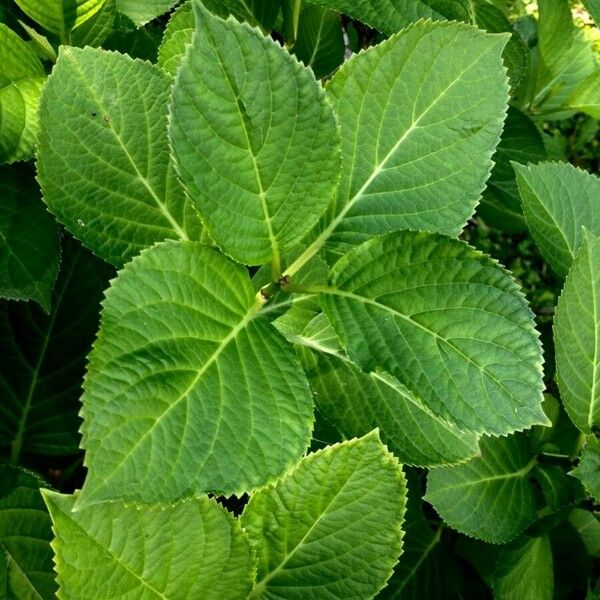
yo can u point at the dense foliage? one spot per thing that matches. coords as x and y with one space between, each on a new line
301 299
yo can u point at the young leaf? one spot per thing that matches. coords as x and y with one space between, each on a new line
558 199
357 402
389 16
178 34
489 498
25 534
103 159
588 469
447 322
142 12
60 17
521 142
44 359
187 384
332 527
187 550
21 79
586 97
29 248
260 162
524 571
577 337
420 115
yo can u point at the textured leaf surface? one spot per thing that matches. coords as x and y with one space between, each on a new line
60 16
421 115
357 402
558 199
586 97
25 534
489 498
588 469
388 16
142 12
103 160
521 142
29 249
255 139
44 359
447 322
178 34
187 550
577 338
524 571
189 390
332 527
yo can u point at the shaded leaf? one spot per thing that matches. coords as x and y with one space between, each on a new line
586 97
142 12
588 469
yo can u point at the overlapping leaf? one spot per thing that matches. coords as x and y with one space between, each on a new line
332 527
558 200
178 34
588 469
188 550
259 162
577 338
447 322
189 389
489 498
586 97
142 12
103 160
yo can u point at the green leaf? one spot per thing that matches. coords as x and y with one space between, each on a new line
25 534
577 338
192 549
44 359
447 322
188 384
521 142
29 248
489 498
587 526
259 162
320 41
407 426
256 12
43 47
558 488
60 17
21 79
103 160
96 29
389 16
142 12
331 528
178 34
593 7
586 97
421 115
588 469
524 571
558 199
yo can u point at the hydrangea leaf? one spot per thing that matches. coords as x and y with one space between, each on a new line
332 526
188 385
29 248
586 97
44 359
489 498
259 162
187 550
577 338
143 12
356 402
588 469
103 161
421 115
558 200
593 7
447 322
25 534
178 34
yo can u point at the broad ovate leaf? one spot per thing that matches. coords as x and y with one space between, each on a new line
187 550
255 139
357 402
447 322
389 16
188 385
29 248
489 498
331 528
588 469
558 200
421 115
577 337
25 553
103 159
